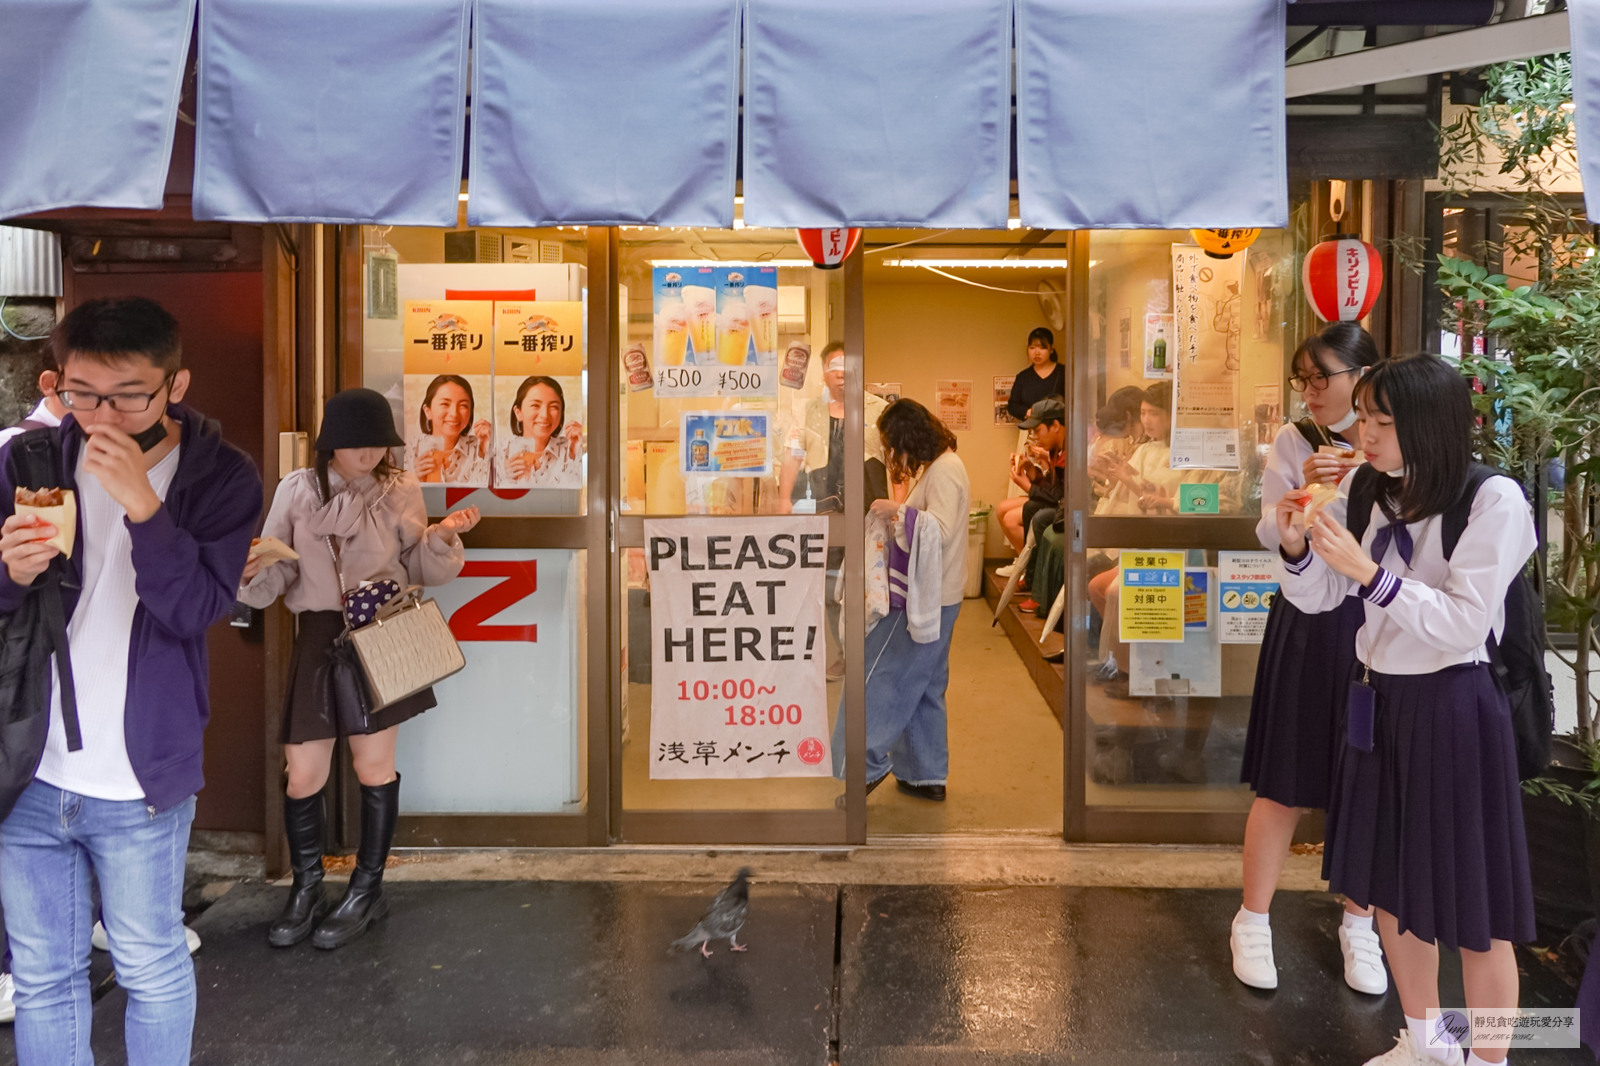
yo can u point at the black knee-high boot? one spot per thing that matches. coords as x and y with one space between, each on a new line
364 901
302 824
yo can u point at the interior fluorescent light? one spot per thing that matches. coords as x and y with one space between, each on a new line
946 264
730 263
462 198
1013 223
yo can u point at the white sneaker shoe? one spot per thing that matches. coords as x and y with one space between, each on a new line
97 937
1406 1053
1005 571
8 1009
1363 961
1252 954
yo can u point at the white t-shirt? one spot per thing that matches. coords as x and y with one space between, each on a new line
98 636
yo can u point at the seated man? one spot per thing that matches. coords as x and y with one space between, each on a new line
1042 473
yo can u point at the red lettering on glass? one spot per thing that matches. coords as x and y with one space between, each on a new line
521 581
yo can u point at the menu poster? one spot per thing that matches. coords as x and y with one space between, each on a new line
952 401
1151 602
716 330
538 437
737 647
1002 401
1205 401
1247 584
446 419
729 443
1158 347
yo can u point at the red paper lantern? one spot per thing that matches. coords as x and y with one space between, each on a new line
829 248
1342 276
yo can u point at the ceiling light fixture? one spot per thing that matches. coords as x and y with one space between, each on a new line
947 264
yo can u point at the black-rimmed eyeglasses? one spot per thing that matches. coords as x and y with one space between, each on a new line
127 403
1318 381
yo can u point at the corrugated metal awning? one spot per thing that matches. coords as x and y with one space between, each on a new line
30 262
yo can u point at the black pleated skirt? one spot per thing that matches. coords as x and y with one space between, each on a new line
1428 825
1297 711
307 713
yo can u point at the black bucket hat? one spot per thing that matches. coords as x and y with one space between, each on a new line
357 418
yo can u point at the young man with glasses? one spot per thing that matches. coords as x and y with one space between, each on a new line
166 510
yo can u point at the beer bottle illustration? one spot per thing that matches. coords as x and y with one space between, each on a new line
699 451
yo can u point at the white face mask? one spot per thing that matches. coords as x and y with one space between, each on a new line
1345 423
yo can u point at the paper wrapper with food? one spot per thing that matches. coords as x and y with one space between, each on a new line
272 550
59 507
1342 451
1317 497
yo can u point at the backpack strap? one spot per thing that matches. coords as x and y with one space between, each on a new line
34 460
1363 494
1454 521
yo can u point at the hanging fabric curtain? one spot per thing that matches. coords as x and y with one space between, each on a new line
88 100
604 112
1584 23
1151 114
318 111
877 113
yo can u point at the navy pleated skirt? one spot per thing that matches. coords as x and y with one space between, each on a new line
1297 711
1428 825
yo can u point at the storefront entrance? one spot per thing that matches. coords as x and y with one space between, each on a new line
1055 729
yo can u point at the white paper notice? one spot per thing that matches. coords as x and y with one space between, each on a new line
1247 585
738 686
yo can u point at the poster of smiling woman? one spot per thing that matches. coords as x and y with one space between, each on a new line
446 420
538 395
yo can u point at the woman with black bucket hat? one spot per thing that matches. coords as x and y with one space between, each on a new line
354 517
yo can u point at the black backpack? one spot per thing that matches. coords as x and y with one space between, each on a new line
1517 658
29 636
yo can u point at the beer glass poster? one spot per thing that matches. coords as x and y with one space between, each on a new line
716 330
538 394
446 419
730 443
737 647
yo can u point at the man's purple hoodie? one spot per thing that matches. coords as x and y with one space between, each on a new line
187 559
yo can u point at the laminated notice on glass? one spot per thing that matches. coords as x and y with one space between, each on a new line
716 331
1150 586
738 687
446 416
1205 398
1247 583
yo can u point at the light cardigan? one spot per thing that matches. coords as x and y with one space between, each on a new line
943 496
382 532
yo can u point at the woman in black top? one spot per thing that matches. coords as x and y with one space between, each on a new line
1044 376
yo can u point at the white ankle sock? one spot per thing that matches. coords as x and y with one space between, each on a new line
1473 1060
1357 921
1250 917
1420 1030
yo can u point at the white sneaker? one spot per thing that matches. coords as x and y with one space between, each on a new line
1252 954
1006 571
97 937
1363 961
1406 1053
8 1009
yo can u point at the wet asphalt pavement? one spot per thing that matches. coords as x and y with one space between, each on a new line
516 972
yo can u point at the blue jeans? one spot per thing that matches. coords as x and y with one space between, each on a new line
906 681
48 847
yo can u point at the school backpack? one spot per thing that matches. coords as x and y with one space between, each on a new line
1517 658
28 638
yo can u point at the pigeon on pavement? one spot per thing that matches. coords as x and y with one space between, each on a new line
722 920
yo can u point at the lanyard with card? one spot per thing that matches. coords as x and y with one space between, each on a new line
1361 709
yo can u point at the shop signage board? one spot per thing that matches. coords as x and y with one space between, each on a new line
538 437
1247 583
1151 602
1205 401
952 401
738 654
716 330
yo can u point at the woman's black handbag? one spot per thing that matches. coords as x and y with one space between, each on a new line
349 700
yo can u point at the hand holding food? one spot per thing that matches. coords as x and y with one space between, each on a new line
1340 550
25 547
58 507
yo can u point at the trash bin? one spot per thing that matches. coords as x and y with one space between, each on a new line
977 531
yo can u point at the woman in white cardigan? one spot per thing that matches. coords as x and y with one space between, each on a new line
908 651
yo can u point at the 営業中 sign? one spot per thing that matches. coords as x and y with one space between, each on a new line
1151 603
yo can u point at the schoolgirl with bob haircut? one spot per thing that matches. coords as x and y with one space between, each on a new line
1425 815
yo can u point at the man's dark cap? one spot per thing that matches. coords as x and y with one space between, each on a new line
1049 409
